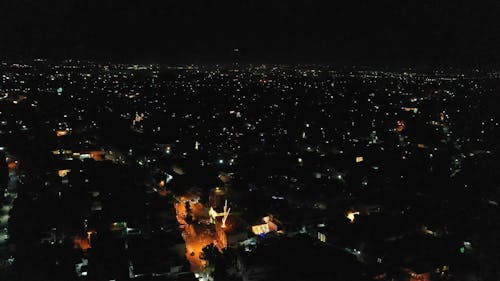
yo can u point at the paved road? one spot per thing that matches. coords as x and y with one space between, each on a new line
196 235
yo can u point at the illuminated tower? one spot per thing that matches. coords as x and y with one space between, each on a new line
225 214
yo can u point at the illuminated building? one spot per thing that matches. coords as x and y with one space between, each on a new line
413 109
267 226
61 133
63 173
225 213
321 237
352 215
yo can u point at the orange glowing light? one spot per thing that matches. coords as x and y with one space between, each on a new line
82 243
400 126
195 235
442 116
97 155
407 109
12 165
61 133
63 173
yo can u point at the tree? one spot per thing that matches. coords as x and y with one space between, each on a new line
216 261
189 216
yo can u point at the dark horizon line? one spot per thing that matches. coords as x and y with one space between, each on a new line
374 64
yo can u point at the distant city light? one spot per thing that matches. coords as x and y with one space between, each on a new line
352 215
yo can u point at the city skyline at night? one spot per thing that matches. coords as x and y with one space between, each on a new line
249 140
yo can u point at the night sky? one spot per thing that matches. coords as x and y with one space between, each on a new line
402 32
